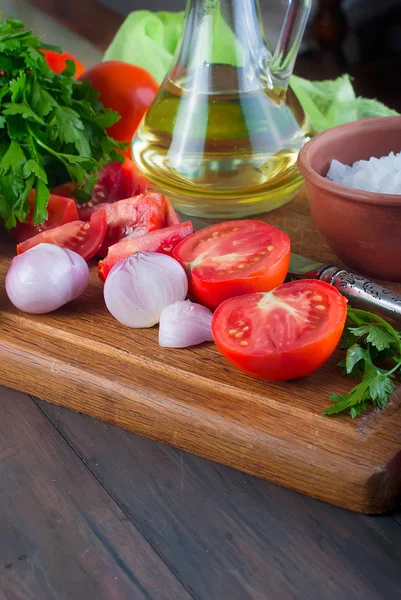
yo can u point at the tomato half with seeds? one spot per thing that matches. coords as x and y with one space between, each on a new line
234 258
161 240
283 334
84 237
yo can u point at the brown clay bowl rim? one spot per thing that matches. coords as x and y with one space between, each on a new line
308 172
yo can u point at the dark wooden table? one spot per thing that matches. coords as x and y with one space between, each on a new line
89 511
92 512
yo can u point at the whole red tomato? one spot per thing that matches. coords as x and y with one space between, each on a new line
127 89
57 62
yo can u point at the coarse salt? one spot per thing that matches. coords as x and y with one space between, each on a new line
382 175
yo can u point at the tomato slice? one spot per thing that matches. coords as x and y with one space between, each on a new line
234 258
115 182
171 216
161 240
131 218
283 334
85 238
60 210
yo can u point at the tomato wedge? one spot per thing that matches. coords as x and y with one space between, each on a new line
116 181
161 240
131 218
85 238
283 334
234 258
171 216
60 210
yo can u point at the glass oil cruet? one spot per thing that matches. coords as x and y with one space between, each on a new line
222 137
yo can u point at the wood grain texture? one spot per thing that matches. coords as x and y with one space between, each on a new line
80 357
230 536
62 534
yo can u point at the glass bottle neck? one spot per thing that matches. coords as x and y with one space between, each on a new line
224 32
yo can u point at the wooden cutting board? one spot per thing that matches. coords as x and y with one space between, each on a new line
193 399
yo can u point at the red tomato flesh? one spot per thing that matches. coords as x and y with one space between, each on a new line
233 258
57 62
131 217
60 211
161 240
283 334
85 238
115 182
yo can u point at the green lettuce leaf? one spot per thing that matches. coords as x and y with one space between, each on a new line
149 40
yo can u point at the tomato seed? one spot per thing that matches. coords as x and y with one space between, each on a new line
320 307
240 334
244 343
241 266
270 248
240 323
235 229
317 298
233 331
246 329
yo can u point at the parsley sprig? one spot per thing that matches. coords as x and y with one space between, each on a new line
374 357
52 128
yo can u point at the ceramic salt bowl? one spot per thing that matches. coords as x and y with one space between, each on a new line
363 228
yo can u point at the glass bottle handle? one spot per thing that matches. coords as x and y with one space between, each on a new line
290 39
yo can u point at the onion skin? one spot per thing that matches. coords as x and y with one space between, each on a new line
140 286
45 278
185 324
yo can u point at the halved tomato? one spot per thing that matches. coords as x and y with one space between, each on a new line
283 334
85 238
233 258
161 240
60 210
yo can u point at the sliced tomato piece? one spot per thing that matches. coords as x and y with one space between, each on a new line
115 182
85 238
132 217
234 258
283 334
161 240
171 216
60 210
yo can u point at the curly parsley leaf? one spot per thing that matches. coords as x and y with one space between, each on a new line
52 127
377 342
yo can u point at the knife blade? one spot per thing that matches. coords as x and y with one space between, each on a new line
360 292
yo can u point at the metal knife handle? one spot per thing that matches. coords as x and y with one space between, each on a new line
362 293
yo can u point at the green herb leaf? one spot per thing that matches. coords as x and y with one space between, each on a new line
52 128
354 355
41 199
376 334
377 341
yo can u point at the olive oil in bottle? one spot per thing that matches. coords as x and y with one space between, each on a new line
222 137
